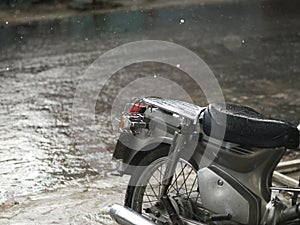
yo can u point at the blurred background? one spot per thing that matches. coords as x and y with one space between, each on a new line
252 47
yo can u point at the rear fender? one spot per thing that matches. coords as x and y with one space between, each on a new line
130 150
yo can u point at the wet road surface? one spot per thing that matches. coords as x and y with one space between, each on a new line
253 50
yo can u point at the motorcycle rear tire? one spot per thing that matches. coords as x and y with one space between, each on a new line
148 166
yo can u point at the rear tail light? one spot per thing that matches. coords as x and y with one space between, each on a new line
132 118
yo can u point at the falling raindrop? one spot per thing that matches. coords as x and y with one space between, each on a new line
232 42
155 76
181 21
7 68
21 37
178 65
6 22
243 41
86 39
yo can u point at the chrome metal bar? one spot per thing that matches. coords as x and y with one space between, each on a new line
286 189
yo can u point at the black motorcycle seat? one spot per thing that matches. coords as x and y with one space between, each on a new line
245 126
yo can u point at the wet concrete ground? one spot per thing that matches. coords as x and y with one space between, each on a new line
87 203
253 50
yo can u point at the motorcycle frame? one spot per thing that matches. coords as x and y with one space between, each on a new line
251 167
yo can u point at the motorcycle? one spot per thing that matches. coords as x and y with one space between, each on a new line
202 165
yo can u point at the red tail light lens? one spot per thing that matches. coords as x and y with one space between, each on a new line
132 117
137 107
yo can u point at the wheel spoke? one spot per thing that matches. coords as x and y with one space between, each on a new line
179 176
150 201
185 179
153 191
192 188
148 198
175 183
197 196
157 182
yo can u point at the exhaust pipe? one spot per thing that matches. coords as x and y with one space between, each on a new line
126 216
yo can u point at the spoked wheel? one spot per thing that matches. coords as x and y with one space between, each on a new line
143 193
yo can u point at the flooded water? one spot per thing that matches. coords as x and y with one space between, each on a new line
253 50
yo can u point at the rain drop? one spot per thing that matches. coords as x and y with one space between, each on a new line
178 65
232 42
243 41
7 68
86 39
21 37
181 21
155 76
6 22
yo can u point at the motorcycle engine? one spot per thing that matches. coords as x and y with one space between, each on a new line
223 194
